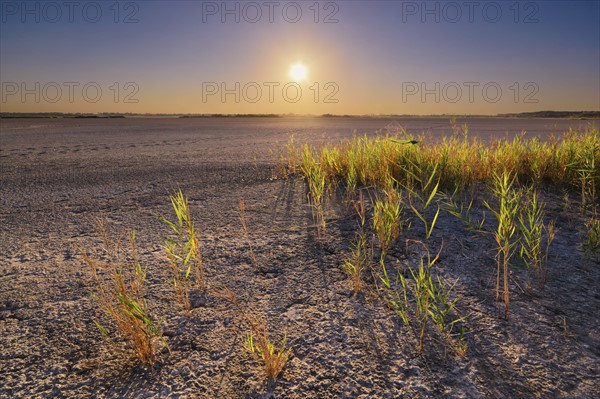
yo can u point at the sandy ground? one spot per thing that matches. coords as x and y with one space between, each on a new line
344 345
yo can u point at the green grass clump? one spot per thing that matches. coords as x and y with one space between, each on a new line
461 161
387 224
356 264
456 164
506 212
120 279
292 158
428 185
425 297
533 250
260 344
407 171
591 241
316 177
183 251
257 340
463 212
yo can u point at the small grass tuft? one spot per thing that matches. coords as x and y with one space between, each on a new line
120 278
358 261
183 251
260 344
257 339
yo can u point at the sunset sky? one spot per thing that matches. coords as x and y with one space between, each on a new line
351 57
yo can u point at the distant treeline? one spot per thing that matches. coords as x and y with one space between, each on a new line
556 114
231 116
536 114
56 115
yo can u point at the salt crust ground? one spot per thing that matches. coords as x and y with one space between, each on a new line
344 346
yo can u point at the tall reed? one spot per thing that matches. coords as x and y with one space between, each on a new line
358 261
533 230
506 212
428 182
387 224
316 179
426 297
183 250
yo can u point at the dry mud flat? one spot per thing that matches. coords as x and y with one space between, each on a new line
344 345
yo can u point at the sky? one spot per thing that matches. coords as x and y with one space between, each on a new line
359 57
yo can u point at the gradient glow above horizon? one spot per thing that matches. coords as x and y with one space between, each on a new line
361 57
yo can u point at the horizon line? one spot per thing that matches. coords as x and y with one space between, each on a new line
541 113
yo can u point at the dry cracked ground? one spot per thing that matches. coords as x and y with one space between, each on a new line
55 178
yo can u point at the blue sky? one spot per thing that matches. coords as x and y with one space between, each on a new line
362 57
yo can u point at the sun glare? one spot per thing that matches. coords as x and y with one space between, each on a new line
298 72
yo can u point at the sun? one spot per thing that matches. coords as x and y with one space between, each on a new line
298 72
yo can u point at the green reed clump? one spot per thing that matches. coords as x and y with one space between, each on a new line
462 212
424 298
538 160
372 161
588 174
358 261
387 224
533 250
463 161
571 155
441 305
459 162
330 161
428 184
585 167
422 280
183 251
120 291
591 242
274 357
399 300
257 340
291 166
316 180
350 174
506 212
